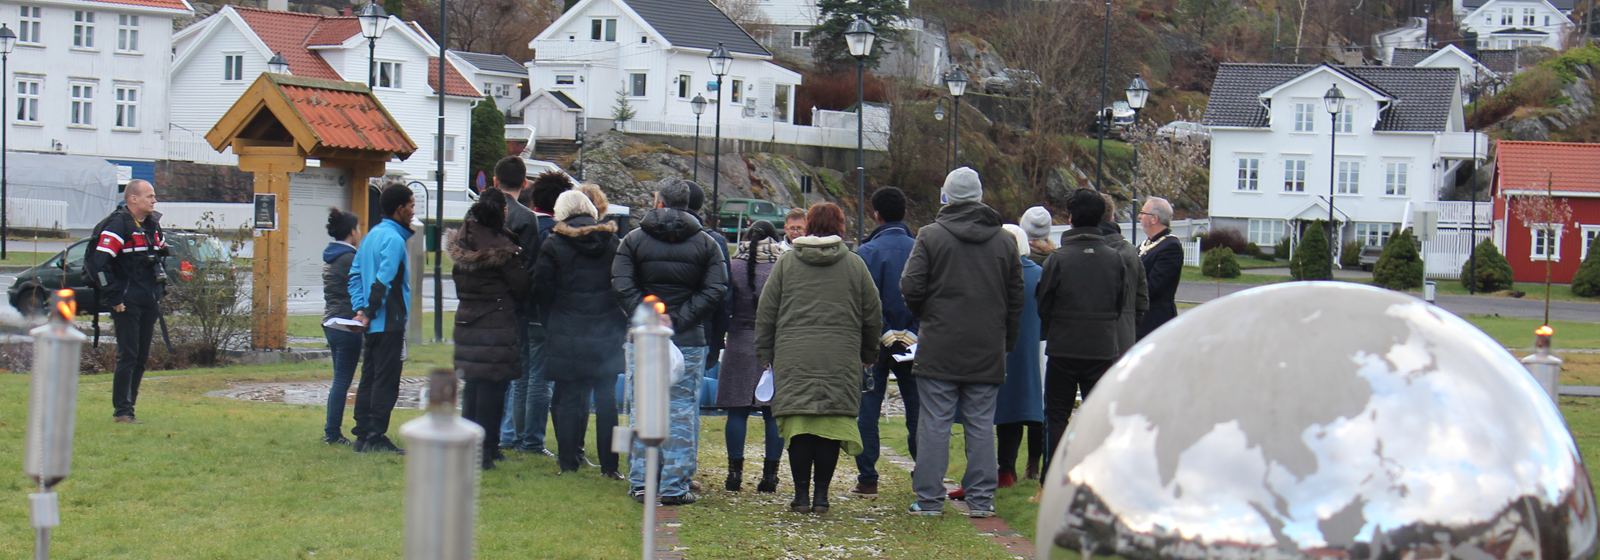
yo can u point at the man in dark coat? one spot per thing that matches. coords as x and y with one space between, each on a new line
1162 256
511 177
885 251
531 394
1081 294
670 257
716 326
1136 293
128 255
964 283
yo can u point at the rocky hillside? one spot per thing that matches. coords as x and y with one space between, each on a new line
1554 100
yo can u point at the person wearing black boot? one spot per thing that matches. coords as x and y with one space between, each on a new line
822 298
490 279
741 371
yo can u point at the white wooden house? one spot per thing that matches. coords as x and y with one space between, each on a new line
497 76
1509 24
218 57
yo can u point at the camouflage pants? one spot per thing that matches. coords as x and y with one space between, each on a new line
680 453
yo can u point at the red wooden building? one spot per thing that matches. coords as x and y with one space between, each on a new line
1572 172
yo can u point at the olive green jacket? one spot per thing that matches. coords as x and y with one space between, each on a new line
818 321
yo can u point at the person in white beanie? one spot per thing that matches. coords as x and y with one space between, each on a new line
964 284
1036 223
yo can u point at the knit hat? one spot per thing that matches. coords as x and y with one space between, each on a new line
1037 221
573 203
962 185
1022 237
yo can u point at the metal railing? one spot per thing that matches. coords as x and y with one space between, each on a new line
37 213
782 133
187 145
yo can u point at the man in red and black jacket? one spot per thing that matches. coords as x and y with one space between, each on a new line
127 258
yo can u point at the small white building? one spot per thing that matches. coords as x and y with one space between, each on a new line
1400 140
497 76
90 77
217 58
1509 24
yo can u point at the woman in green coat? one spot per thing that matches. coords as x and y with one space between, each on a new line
822 299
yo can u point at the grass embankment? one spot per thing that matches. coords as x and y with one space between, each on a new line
24 258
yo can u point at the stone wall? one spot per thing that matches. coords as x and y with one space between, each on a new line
183 181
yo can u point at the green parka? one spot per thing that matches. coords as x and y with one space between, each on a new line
818 320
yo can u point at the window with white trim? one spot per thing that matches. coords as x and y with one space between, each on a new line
565 79
1546 242
28 27
127 106
603 29
83 29
127 33
389 75
1508 16
737 93
1249 173
1547 21
82 105
1394 180
1374 234
232 67
1346 120
1589 234
1528 17
1305 117
1349 178
1266 231
1294 177
28 99
449 148
636 84
683 86
801 40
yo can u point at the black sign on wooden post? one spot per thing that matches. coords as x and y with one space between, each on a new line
266 211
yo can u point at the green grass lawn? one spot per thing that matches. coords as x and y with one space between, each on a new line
25 258
311 325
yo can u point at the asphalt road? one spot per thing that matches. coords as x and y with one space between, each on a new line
1524 308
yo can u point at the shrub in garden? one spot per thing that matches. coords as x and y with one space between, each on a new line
1224 237
1281 250
1586 282
1488 270
1350 255
1219 263
1254 251
1311 259
1400 266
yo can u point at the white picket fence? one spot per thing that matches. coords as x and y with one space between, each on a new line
781 133
187 145
1191 253
36 213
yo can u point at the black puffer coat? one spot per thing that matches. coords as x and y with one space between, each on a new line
490 280
585 327
670 257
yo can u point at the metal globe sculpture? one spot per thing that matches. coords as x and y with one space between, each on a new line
1318 421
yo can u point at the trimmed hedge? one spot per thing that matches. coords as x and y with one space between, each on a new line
1350 255
1281 250
1586 282
1311 259
1219 263
1488 270
1400 266
1224 237
1254 251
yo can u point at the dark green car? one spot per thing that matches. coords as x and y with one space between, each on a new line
191 254
739 213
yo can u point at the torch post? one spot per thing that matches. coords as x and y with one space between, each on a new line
52 408
652 381
1545 368
442 455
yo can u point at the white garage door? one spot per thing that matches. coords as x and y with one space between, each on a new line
311 192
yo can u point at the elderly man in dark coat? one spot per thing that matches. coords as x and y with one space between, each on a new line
1162 257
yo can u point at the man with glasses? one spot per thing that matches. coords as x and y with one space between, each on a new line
1162 257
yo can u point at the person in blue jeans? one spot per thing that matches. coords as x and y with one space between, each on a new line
345 345
885 251
528 403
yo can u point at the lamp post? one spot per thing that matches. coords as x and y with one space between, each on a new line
859 37
720 61
1472 183
1105 65
1333 101
372 19
699 107
438 182
938 115
956 81
277 65
8 41
1138 93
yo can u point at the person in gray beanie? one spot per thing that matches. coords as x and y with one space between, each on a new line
1036 223
964 284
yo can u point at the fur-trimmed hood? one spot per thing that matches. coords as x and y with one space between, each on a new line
588 237
477 247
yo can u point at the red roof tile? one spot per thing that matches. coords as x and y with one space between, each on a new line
454 82
1530 165
164 4
286 33
334 31
347 119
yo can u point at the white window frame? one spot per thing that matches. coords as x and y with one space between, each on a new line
83 30
1305 117
232 67
1392 187
1249 174
1347 120
1373 231
1294 175
1528 17
449 145
1535 231
128 33
29 25
127 101
782 98
737 95
638 84
1508 16
572 80
603 29
1347 180
1267 231
29 99
80 107
685 85
391 74
800 39
1588 233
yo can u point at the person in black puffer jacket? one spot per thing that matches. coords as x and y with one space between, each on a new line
585 328
490 280
345 228
670 256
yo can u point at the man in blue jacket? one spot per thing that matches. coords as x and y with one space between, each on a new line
885 252
380 295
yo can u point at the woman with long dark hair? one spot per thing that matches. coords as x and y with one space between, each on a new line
345 229
822 298
736 384
490 279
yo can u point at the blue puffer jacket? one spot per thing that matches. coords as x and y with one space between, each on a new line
885 253
378 283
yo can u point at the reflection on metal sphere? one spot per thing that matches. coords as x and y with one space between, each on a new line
1318 421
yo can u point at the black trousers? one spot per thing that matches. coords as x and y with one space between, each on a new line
1010 441
135 326
380 384
571 399
484 402
1064 380
808 452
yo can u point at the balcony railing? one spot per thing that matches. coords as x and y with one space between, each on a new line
1458 145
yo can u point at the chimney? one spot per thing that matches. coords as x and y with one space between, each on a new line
278 5
347 12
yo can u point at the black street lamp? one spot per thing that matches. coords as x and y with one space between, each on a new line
938 115
1333 101
372 24
956 81
1138 93
859 37
8 41
277 65
720 62
698 104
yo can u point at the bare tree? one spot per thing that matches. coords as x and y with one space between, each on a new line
1169 167
1546 215
748 15
489 26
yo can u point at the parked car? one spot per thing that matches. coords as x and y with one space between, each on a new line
1184 130
191 254
1121 119
1369 256
739 213
1012 81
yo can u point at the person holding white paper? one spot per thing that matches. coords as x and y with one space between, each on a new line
344 342
740 376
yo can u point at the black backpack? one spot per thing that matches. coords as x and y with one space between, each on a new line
92 274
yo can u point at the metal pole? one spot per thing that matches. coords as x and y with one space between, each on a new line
1105 67
1134 219
955 137
1472 184
861 158
697 148
716 165
438 228
652 462
372 62
1333 178
5 69
1277 26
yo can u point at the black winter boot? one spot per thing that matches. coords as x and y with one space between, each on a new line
735 471
769 478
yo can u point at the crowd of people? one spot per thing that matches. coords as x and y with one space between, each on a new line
802 329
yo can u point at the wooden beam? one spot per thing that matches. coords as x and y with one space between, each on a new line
360 172
270 269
